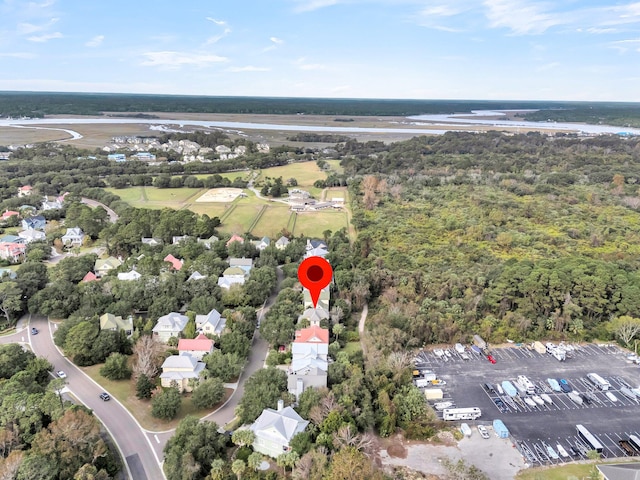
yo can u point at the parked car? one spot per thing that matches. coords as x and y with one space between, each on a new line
484 433
34 331
564 385
491 359
105 397
61 374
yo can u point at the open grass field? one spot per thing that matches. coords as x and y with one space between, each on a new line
262 217
124 391
312 224
335 166
244 174
272 221
305 173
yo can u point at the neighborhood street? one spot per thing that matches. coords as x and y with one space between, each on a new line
113 216
134 446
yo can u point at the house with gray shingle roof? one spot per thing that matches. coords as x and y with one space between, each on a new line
274 430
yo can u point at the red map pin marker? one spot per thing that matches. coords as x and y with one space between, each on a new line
315 273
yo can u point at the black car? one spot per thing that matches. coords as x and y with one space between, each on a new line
34 331
490 388
105 396
501 406
564 385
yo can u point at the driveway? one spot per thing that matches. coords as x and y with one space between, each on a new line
113 216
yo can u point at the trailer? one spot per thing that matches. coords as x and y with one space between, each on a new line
539 347
424 382
471 413
433 394
500 429
479 342
628 449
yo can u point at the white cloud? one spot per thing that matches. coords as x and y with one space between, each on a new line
248 68
95 41
25 55
222 23
276 40
45 37
548 66
440 11
522 17
177 59
26 28
310 5
275 43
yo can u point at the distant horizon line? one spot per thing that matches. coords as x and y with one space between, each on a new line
363 99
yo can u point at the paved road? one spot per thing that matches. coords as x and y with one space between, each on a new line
113 216
141 460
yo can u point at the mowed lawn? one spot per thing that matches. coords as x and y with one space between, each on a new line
241 218
312 224
272 221
125 392
152 197
577 471
243 174
305 173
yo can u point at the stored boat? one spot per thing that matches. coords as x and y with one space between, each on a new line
577 399
546 398
553 383
537 399
563 453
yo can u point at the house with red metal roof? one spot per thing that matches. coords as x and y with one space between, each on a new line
196 347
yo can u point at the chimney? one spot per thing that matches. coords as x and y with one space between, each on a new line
280 405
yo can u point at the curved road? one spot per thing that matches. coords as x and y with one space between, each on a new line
113 216
142 463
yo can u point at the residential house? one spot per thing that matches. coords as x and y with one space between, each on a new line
316 252
51 205
25 191
274 430
170 325
11 239
282 243
89 277
129 276
109 321
315 243
235 238
151 241
243 263
117 157
309 360
176 239
30 235
175 263
231 276
323 300
74 237
8 214
178 370
37 222
144 156
207 242
104 265
197 347
211 324
263 243
314 315
13 252
196 276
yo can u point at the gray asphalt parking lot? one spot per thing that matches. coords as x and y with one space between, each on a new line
534 428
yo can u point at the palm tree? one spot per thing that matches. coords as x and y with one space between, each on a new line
217 469
238 467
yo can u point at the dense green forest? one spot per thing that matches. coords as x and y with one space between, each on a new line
38 104
516 237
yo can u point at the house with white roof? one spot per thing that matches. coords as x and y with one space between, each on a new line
196 276
282 243
129 276
211 324
274 430
151 241
31 235
263 243
314 315
309 360
74 237
177 370
207 242
170 325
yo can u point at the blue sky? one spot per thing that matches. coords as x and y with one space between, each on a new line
422 49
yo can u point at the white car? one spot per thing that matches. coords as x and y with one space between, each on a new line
484 433
61 374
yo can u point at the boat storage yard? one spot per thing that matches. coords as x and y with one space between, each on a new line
541 396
